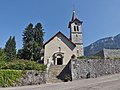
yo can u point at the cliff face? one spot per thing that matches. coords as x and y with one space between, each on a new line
108 43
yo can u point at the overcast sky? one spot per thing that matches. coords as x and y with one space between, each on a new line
101 18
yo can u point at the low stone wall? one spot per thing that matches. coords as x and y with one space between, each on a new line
93 68
32 77
111 53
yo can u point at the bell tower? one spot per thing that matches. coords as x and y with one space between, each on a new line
75 26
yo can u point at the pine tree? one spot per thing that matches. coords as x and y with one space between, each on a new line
38 41
28 42
13 44
10 48
20 54
32 42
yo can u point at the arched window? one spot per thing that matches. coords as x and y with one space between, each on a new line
74 28
77 28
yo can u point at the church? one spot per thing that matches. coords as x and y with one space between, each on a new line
59 49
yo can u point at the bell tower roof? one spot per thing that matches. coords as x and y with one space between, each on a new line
74 19
74 16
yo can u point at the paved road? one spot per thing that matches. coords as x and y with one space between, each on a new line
111 82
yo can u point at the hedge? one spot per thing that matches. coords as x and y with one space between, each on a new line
23 65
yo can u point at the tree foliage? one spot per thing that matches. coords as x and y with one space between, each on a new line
27 42
2 55
32 42
38 41
10 48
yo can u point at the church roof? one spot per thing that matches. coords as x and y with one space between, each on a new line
62 35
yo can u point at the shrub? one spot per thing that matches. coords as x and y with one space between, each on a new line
117 58
9 77
73 56
2 64
2 55
82 57
94 57
68 77
23 65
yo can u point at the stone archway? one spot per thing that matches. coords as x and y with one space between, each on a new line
58 58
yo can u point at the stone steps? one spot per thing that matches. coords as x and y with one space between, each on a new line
54 71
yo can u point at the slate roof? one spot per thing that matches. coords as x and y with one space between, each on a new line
56 35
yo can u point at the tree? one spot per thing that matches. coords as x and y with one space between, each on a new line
32 42
27 42
38 41
20 54
10 48
2 55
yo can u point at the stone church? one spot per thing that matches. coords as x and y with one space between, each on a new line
59 49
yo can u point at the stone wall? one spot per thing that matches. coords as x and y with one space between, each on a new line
32 77
112 53
109 53
93 68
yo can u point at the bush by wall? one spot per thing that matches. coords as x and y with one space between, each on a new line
9 77
23 65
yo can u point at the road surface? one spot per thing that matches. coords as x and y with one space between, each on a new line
111 82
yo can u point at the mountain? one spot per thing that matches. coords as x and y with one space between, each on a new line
108 43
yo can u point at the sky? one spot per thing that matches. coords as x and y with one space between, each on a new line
101 18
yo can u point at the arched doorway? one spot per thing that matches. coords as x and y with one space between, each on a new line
59 61
58 58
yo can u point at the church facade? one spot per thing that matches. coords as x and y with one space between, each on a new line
59 49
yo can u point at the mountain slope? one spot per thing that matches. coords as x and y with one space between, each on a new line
108 43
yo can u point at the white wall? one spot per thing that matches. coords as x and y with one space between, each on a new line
66 47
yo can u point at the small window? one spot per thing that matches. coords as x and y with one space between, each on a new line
77 28
59 49
76 35
74 28
78 51
75 23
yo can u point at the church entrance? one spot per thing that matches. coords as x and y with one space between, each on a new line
58 58
59 61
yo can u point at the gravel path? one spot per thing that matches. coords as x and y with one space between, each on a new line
111 82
